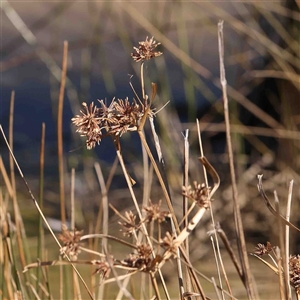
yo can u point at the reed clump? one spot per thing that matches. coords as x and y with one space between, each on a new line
154 233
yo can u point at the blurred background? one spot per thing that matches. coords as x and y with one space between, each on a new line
262 67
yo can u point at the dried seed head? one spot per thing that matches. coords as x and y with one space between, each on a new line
113 120
103 267
129 227
168 242
294 266
200 194
153 212
145 50
261 249
142 259
70 240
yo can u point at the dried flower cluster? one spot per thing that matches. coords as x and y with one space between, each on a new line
168 242
146 50
70 240
154 213
103 267
142 259
261 249
129 226
200 194
294 266
98 122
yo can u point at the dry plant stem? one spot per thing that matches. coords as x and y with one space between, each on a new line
218 267
287 232
18 219
197 217
146 178
160 179
104 217
7 268
216 289
6 178
129 184
280 277
217 252
270 206
281 237
72 206
59 134
143 82
195 271
41 241
237 214
179 267
229 249
111 173
39 209
104 203
10 139
185 201
193 274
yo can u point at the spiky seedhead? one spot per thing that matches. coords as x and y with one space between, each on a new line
114 120
141 259
199 193
129 226
294 266
145 50
262 249
168 243
154 212
70 240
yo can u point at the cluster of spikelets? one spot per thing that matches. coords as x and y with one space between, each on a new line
293 263
141 258
120 116
149 253
144 258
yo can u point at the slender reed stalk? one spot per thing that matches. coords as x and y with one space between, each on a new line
60 134
287 234
41 241
40 211
237 215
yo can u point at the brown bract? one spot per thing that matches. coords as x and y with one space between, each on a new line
145 50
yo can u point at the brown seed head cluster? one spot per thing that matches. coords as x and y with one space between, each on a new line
70 240
294 266
129 226
154 213
168 242
145 50
103 267
98 122
261 249
142 259
199 193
